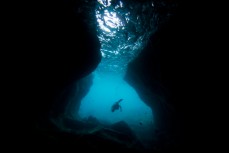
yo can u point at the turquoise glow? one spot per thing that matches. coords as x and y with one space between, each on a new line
105 91
122 34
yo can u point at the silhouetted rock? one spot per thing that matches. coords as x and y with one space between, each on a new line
166 75
123 127
57 49
64 51
69 100
93 136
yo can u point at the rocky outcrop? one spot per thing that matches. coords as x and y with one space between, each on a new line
58 50
91 135
165 77
68 102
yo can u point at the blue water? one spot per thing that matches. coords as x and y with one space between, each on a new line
105 91
120 43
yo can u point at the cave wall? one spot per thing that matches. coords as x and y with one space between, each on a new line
166 75
57 48
69 101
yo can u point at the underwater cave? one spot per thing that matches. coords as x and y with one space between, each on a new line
121 39
123 29
110 76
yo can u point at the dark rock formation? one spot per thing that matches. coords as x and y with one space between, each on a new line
68 102
58 48
166 76
90 135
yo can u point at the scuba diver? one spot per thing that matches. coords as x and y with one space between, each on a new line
116 106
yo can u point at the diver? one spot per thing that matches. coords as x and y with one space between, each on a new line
116 106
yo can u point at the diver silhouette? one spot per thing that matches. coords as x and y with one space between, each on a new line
116 106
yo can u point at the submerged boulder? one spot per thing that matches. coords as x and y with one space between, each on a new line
96 136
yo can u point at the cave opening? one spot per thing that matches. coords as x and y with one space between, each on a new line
106 89
122 33
123 30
